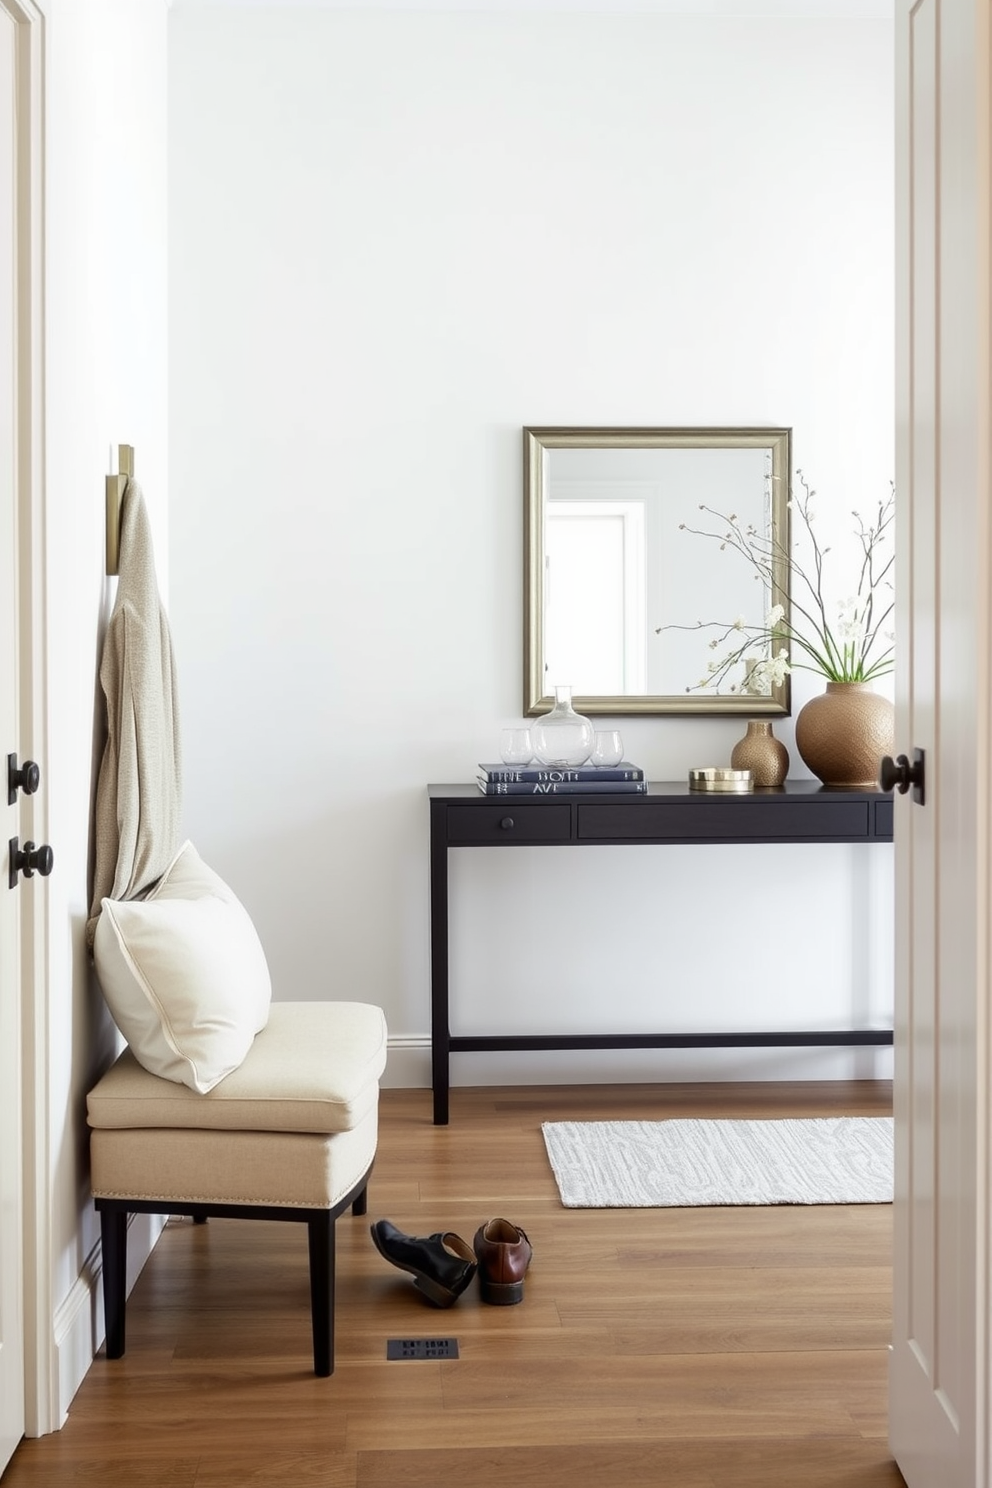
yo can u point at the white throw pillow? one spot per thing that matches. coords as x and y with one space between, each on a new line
184 974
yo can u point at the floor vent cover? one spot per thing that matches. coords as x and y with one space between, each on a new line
421 1348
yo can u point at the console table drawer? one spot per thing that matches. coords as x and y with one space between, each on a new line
723 821
883 818
508 824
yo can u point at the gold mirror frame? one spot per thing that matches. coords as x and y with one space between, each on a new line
538 442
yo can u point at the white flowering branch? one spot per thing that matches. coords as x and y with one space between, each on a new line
856 647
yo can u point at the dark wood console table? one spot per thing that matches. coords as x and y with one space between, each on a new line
461 816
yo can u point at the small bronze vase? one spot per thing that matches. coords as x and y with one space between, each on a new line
760 752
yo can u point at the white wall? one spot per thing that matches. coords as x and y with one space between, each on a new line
105 384
395 239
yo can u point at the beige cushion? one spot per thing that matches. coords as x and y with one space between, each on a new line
314 1068
291 1169
184 974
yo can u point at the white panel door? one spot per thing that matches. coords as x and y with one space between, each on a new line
11 1270
940 1353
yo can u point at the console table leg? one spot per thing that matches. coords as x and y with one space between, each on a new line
440 1024
440 1097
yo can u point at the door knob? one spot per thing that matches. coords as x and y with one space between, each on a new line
898 774
29 860
27 778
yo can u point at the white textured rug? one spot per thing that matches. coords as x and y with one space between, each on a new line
676 1163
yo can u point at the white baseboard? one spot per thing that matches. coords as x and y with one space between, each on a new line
408 1063
78 1330
408 1066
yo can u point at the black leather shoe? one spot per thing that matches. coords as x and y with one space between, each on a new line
442 1265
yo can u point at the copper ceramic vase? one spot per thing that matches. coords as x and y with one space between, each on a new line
843 733
760 752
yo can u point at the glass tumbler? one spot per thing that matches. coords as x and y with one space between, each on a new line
607 747
516 746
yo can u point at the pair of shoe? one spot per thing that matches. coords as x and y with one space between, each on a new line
442 1265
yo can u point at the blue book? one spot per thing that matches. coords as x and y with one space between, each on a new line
559 774
561 787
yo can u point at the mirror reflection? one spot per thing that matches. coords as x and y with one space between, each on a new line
617 578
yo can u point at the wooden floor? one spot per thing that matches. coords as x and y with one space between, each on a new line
681 1348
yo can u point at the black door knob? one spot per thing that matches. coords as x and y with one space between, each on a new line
27 778
29 860
899 774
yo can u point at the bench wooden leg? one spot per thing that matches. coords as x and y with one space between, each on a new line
113 1234
320 1229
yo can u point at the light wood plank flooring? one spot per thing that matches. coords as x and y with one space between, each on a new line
683 1348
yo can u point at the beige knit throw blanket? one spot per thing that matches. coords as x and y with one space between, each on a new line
139 789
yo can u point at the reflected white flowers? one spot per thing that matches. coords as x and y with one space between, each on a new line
761 675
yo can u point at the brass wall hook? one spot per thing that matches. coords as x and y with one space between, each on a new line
115 495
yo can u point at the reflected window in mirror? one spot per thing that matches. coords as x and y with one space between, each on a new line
619 587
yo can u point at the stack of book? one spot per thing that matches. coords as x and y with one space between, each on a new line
553 780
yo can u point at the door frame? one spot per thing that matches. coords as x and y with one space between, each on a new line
41 1394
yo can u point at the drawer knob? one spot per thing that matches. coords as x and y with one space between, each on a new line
507 823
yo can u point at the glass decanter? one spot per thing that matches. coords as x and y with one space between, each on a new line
562 738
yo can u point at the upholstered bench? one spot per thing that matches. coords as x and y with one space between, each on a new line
289 1135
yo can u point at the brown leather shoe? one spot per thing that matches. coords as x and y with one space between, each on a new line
503 1252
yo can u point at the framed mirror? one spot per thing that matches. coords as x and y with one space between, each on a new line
630 588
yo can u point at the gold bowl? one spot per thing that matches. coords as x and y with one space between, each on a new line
714 778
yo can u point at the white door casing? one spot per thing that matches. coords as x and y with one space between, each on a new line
25 1218
11 1185
940 1353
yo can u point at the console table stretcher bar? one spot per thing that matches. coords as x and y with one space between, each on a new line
461 816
